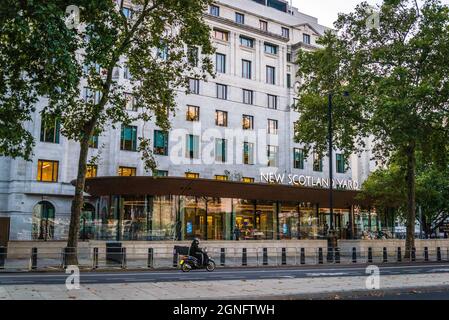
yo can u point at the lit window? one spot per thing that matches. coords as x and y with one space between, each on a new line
221 178
160 146
247 180
127 171
91 171
298 158
47 170
247 122
272 126
193 113
50 130
221 118
128 140
192 175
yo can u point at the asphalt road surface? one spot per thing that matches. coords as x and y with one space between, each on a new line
219 274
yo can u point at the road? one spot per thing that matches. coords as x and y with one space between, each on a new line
219 274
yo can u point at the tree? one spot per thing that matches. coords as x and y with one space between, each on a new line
162 43
397 78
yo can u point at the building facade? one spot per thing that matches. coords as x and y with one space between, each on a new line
237 127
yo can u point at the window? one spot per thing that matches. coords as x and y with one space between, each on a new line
90 96
221 178
192 175
221 35
115 73
222 91
285 32
317 162
192 146
215 10
50 130
93 142
193 113
127 12
162 53
160 143
248 96
246 42
128 140
272 154
272 126
220 60
246 69
130 102
272 102
192 55
47 170
239 18
220 150
306 38
160 173
289 57
298 158
289 80
221 118
126 73
263 25
340 163
248 153
271 48
271 75
91 171
247 180
127 171
247 122
194 86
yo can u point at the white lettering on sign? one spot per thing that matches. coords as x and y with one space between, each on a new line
308 181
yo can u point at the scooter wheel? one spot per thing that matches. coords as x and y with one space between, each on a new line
210 266
185 268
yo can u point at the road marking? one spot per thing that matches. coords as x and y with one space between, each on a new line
323 274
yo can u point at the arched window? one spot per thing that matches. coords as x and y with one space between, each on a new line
43 227
87 217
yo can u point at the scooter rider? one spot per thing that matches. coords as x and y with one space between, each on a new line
197 252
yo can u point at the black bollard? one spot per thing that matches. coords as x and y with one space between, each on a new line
2 257
303 256
33 258
175 258
320 255
370 255
222 257
354 255
399 256
284 257
385 255
150 260
439 254
95 259
413 254
426 254
244 257
330 254
123 258
337 255
265 257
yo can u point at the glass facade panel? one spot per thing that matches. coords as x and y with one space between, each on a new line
219 211
162 217
193 217
288 221
308 221
133 217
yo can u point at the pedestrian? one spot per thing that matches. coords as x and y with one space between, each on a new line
236 233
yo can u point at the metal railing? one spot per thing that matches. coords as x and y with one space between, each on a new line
141 257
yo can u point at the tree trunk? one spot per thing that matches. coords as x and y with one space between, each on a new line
77 204
411 199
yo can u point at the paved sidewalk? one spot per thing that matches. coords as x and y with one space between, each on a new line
233 289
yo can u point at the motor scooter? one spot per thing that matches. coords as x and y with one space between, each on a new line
189 263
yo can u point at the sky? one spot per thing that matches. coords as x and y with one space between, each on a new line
327 10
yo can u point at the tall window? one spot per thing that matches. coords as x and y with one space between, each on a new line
91 171
126 73
221 118
127 171
272 126
220 150
271 48
90 96
248 96
340 158
246 69
289 80
192 175
193 113
93 142
285 32
47 170
192 55
239 18
248 153
306 38
289 57
263 25
130 104
127 12
317 162
272 154
220 63
194 86
221 35
160 146
272 102
192 146
128 140
271 75
50 130
246 42
247 122
222 91
214 10
298 158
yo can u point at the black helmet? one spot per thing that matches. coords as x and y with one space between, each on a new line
196 241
